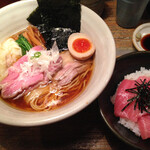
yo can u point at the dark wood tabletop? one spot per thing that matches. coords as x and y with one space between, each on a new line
85 130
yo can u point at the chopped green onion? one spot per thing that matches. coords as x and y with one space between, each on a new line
36 55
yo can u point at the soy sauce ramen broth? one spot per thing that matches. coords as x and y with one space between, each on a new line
22 105
69 95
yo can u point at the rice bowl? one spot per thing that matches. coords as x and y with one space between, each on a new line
125 65
136 81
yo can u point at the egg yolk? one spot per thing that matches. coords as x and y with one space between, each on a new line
81 45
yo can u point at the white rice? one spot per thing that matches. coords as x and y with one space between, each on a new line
126 122
142 72
130 125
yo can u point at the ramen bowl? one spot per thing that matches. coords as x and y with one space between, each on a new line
104 62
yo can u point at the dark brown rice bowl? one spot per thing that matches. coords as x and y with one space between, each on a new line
125 64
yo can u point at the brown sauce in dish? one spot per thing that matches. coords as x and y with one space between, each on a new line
145 42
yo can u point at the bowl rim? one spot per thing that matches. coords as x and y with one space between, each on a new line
76 110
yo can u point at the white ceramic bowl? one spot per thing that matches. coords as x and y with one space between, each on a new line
13 19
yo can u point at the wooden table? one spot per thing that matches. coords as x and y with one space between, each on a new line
85 130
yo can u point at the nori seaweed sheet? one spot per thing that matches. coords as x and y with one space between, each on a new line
56 20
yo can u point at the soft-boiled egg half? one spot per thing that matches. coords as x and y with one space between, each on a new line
80 46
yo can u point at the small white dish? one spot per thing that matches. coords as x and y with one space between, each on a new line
138 34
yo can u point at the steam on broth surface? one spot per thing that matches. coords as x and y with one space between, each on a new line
39 79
